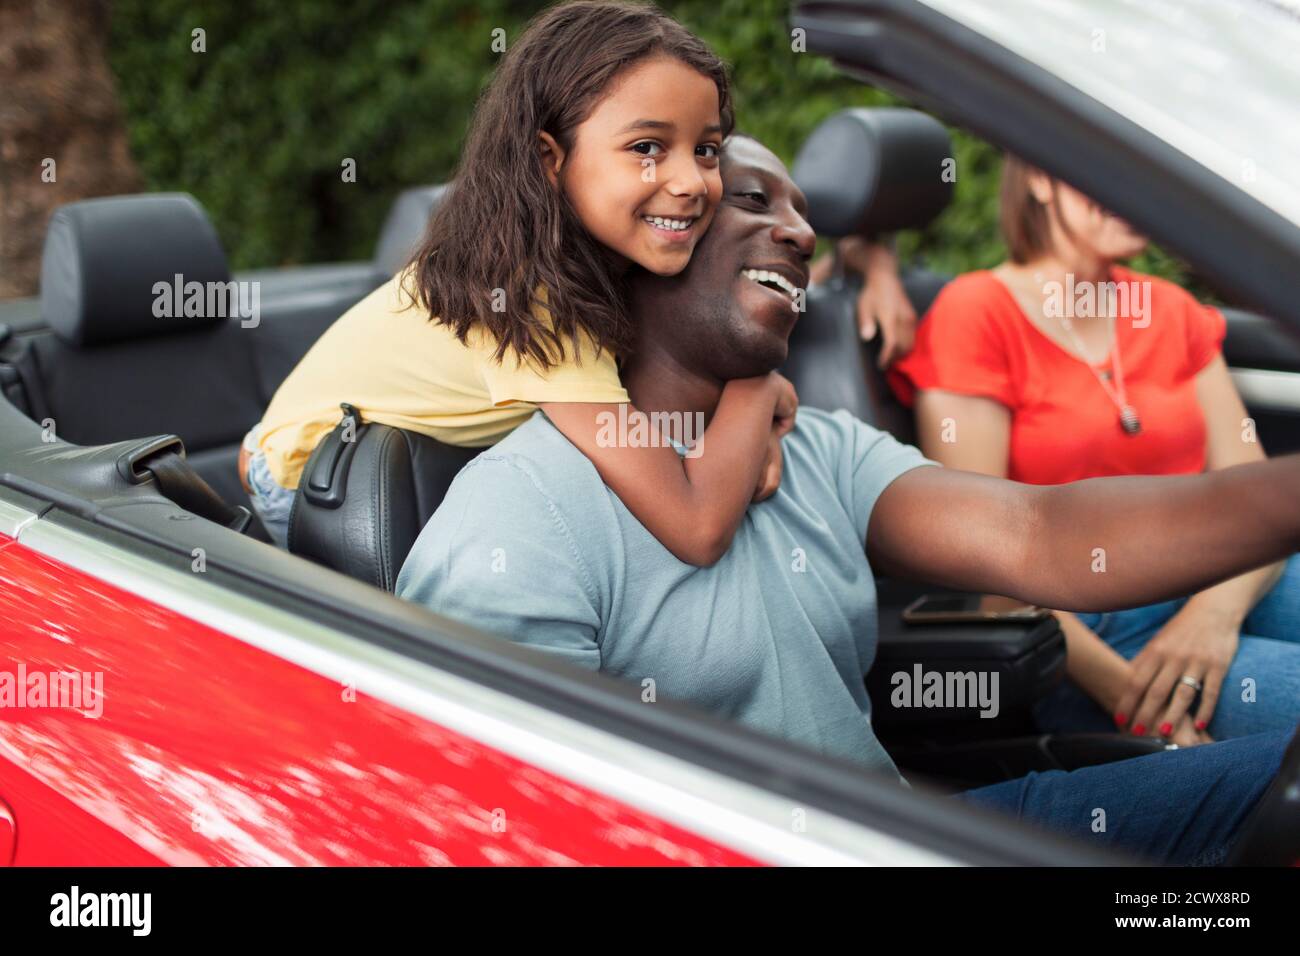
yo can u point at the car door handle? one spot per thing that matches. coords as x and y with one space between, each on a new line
8 835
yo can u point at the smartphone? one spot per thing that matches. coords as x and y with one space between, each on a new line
967 608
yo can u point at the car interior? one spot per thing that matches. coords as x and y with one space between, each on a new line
89 363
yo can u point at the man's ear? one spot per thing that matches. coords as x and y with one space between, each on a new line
552 156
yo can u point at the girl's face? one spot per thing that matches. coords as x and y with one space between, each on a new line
643 171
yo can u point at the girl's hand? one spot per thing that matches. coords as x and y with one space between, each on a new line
770 479
787 405
1197 642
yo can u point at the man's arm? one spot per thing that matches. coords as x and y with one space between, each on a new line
1094 545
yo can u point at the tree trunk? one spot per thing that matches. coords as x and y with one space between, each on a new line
58 102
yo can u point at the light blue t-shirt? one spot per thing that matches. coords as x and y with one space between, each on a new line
779 634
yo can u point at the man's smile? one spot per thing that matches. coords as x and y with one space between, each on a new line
784 279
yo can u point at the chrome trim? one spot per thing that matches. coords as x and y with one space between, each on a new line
737 815
1265 388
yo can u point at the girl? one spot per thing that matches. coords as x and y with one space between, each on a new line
1013 382
593 151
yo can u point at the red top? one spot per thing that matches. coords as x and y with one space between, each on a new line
976 340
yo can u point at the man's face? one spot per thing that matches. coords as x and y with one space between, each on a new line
721 314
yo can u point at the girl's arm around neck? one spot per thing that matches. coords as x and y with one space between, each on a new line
692 505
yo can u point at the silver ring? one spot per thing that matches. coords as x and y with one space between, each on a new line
1191 682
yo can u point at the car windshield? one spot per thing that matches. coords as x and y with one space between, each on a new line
1216 79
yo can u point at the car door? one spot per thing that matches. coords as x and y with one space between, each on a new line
183 745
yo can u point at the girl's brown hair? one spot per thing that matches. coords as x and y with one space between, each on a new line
503 233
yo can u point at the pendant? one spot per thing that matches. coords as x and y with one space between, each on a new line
1129 421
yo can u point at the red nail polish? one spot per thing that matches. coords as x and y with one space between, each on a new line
1140 729
1166 729
1121 720
1201 725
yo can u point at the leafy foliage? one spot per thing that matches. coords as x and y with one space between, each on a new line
259 125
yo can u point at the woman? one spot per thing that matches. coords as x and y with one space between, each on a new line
1061 364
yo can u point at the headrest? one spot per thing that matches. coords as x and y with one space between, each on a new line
404 227
103 258
871 171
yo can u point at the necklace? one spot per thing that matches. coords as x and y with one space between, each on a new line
1128 416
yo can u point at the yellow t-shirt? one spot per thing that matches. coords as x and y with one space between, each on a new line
386 357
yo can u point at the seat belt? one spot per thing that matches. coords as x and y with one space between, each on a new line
181 484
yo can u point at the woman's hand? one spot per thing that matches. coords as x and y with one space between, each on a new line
1104 675
1185 733
1198 642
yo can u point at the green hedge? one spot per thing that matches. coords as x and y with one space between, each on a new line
257 127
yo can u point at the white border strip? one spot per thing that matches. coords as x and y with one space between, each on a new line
737 815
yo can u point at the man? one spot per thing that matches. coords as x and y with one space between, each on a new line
531 545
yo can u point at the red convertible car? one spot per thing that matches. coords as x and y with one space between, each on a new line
182 692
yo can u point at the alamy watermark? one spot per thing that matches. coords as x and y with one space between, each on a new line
193 299
133 911
1102 300
947 690
66 690
630 428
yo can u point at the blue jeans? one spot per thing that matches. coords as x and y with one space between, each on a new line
270 501
1182 807
1261 691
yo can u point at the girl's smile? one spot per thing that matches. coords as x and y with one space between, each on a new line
669 229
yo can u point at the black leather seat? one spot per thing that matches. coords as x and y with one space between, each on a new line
407 219
91 357
361 503
109 367
300 303
864 172
365 494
